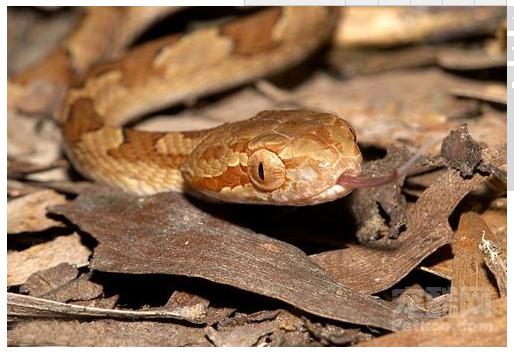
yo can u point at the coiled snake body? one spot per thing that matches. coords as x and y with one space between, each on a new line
276 157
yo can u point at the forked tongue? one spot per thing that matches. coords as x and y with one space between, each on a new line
397 174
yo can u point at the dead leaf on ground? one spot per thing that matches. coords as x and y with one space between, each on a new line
45 281
105 333
478 326
21 264
28 213
471 285
166 234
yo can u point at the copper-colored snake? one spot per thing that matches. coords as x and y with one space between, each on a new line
276 157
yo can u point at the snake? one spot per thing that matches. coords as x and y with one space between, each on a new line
279 157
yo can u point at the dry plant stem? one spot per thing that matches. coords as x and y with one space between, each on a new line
23 306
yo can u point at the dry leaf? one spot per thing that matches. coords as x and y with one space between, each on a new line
28 213
21 264
43 282
471 285
166 234
373 268
478 326
105 333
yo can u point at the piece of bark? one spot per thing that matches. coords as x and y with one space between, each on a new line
166 234
20 307
43 282
461 151
478 326
22 264
368 268
104 333
28 213
495 262
471 285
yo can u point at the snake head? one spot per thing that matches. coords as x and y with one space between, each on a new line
288 157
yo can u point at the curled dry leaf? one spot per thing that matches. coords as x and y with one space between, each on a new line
166 234
369 269
28 213
21 264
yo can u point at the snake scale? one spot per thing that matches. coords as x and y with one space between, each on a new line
290 157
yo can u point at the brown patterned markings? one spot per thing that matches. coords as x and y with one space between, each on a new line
137 66
231 177
140 146
82 118
253 34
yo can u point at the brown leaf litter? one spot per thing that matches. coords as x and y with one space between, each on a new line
28 213
22 264
367 268
432 244
166 234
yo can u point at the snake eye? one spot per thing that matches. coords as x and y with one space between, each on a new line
266 170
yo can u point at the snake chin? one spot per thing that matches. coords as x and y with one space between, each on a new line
331 194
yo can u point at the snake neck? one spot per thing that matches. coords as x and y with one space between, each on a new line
141 162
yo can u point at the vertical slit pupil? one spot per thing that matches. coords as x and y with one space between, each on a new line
261 171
